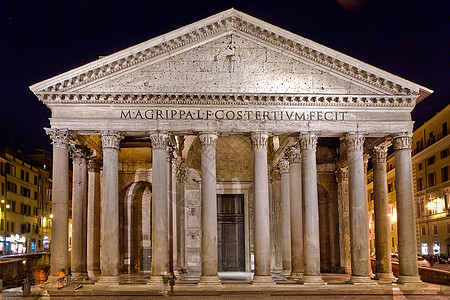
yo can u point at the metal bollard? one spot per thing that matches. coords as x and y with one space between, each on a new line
26 287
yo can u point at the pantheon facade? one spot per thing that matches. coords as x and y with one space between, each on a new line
229 145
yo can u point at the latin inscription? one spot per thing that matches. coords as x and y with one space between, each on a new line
222 114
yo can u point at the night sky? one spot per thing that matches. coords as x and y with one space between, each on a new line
40 39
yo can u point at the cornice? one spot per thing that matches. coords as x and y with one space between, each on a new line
226 99
232 21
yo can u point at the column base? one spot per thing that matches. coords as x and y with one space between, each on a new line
313 280
92 274
386 277
412 281
107 281
285 273
263 280
80 275
52 281
209 280
156 280
361 280
296 276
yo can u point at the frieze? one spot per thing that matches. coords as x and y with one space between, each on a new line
222 114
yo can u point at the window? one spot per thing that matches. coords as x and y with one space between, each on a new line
27 177
431 160
25 192
444 174
22 174
35 180
35 196
423 229
392 226
419 184
424 249
10 169
444 128
393 242
3 188
432 179
422 208
12 226
430 138
13 206
435 229
390 187
446 201
444 153
12 187
419 166
390 167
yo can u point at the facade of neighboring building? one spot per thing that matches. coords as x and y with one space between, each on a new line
430 166
393 239
26 208
431 163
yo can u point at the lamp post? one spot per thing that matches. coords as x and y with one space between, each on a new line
4 208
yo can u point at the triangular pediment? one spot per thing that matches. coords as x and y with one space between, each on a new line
229 64
230 52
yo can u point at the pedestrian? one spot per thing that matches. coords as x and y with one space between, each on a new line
62 275
42 277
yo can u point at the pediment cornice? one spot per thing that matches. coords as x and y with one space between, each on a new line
232 21
227 99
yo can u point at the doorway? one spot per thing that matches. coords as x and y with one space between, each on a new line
230 232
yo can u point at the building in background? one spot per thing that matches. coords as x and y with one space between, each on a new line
393 240
26 202
430 166
431 160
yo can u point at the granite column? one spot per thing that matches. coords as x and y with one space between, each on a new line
311 244
295 170
210 273
381 208
60 202
406 225
261 210
109 257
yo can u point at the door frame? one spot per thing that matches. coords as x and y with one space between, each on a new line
240 187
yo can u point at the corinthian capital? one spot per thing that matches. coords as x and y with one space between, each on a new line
294 154
379 154
276 176
308 141
60 137
111 139
93 165
259 140
159 140
355 141
283 165
402 141
78 152
208 141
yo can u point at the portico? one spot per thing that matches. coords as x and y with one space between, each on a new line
236 100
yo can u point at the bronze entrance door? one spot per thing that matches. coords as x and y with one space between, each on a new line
230 232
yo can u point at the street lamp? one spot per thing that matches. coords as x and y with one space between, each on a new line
4 208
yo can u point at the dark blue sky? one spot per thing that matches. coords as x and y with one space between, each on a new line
40 39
